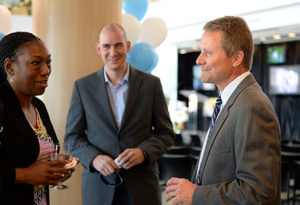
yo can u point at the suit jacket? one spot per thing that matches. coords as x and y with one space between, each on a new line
91 130
19 146
241 163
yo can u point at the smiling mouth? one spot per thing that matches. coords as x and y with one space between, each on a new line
114 60
43 83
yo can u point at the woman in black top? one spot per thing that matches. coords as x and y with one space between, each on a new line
28 136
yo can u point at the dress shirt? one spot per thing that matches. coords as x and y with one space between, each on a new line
117 96
229 89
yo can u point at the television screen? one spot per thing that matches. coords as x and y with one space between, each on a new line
198 84
276 54
284 79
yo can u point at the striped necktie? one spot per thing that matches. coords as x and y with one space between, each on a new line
217 109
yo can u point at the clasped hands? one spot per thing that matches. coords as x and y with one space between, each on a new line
127 159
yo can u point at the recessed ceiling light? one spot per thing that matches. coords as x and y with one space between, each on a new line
276 36
183 51
262 39
195 48
291 35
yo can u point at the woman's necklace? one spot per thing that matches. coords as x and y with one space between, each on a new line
38 122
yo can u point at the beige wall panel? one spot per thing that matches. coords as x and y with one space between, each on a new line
70 30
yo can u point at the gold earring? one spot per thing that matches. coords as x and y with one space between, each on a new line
11 80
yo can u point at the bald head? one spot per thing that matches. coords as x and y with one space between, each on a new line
113 27
113 47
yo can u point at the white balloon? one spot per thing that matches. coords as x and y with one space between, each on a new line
5 20
132 27
153 31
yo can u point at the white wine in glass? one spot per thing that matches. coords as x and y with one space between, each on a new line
60 152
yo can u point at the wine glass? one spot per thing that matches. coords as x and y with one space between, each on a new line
60 152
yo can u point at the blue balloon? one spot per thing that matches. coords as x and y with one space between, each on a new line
154 62
142 56
137 8
1 35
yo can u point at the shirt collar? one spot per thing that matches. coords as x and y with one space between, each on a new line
126 77
229 89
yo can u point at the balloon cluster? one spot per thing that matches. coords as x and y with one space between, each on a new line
5 21
144 36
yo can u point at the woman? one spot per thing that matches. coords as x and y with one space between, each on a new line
28 136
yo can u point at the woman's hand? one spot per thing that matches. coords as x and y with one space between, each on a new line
71 167
44 172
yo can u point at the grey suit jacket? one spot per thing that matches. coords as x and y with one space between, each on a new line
241 163
91 130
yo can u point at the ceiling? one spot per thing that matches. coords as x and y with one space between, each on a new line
186 18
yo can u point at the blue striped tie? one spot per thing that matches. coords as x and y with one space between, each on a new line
216 111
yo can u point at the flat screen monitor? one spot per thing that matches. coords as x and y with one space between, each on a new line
284 79
276 54
198 84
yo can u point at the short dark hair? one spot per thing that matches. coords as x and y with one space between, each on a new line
9 46
236 36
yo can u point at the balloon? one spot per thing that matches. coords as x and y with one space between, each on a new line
5 20
132 27
153 31
1 35
142 56
154 62
137 8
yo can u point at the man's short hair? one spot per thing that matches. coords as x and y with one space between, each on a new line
236 36
113 27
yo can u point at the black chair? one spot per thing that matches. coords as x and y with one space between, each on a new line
175 163
180 160
296 185
290 156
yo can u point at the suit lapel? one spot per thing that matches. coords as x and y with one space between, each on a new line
221 119
102 97
212 136
134 83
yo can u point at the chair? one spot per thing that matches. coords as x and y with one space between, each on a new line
296 185
290 160
175 163
181 159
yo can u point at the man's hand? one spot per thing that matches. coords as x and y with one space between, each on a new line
180 191
130 157
105 165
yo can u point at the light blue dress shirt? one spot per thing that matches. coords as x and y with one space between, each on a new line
117 96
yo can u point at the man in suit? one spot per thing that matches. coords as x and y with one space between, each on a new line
240 158
118 126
